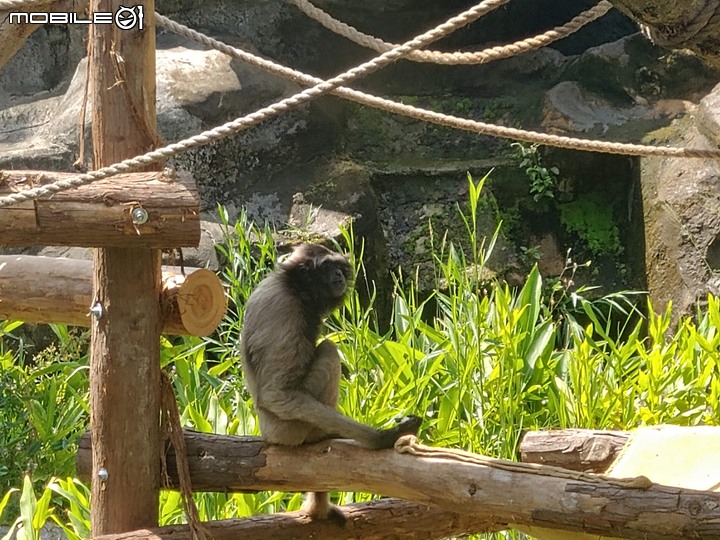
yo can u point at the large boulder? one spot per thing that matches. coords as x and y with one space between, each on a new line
681 202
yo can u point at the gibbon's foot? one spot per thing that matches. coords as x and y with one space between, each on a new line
408 425
318 506
336 516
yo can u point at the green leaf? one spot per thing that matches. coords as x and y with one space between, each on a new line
8 326
27 509
541 345
529 299
6 499
199 420
42 510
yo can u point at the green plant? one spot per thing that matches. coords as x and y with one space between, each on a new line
591 218
76 496
43 409
530 255
499 109
463 106
569 304
480 360
34 512
543 180
249 252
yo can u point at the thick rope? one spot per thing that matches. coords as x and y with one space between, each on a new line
410 445
455 58
360 97
7 5
439 118
259 116
172 427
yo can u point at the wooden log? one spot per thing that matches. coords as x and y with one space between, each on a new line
125 387
576 449
101 214
497 490
51 290
376 520
193 303
13 33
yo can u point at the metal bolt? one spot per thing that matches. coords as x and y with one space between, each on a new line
139 215
96 310
103 474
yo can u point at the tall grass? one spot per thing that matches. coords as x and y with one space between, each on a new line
479 361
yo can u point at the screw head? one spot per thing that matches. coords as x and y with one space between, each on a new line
102 474
96 310
139 215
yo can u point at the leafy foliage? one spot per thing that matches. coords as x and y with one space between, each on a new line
43 407
591 218
480 361
543 180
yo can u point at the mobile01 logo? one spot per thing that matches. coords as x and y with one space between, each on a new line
125 18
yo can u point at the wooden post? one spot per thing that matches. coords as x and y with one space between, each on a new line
124 366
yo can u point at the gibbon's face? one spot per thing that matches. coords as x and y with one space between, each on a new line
334 276
319 274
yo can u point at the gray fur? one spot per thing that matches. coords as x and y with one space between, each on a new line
293 381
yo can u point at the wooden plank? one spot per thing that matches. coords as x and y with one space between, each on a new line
101 214
125 345
577 449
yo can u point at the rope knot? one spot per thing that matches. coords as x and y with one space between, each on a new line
406 444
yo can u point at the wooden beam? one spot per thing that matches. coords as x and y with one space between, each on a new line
497 490
376 520
577 449
13 33
125 345
101 214
52 290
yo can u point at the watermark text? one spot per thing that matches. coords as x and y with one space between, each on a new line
124 18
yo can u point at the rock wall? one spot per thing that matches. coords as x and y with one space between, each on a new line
681 203
333 162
